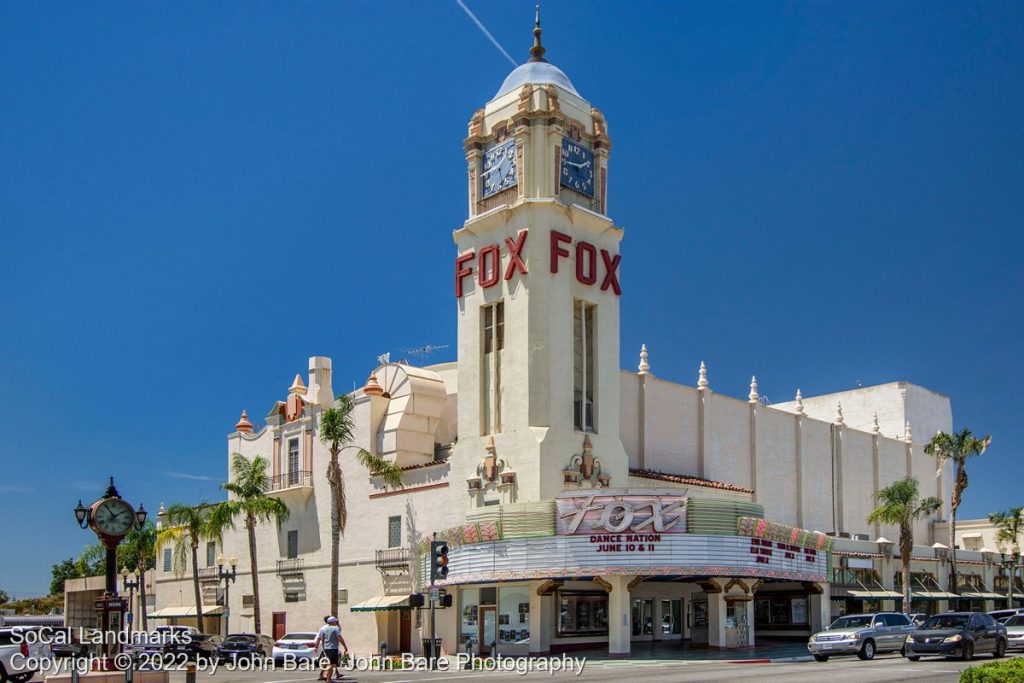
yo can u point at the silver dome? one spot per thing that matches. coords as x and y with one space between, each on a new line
536 72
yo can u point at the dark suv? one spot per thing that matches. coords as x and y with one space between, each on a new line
962 634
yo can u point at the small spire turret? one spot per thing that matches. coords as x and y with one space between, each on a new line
537 51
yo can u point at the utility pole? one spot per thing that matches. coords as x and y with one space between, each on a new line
433 608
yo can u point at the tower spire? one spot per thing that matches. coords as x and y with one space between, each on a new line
537 51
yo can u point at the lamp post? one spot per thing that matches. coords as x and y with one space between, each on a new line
1010 564
228 577
129 585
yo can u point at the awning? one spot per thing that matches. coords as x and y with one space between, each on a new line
971 534
980 595
182 612
381 603
875 595
933 595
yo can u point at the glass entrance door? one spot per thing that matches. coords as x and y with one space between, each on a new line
488 629
643 618
671 619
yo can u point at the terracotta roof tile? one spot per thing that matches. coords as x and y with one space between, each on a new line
688 480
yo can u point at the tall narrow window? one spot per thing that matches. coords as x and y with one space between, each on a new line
167 559
211 553
293 544
394 531
584 352
493 327
293 462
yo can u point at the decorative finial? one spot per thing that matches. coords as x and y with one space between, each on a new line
839 413
874 424
298 386
489 446
702 379
537 51
753 396
644 365
907 436
799 403
243 424
162 510
372 387
587 446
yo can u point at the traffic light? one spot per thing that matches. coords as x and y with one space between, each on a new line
445 601
438 560
416 600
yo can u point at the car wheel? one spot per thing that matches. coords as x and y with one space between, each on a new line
821 658
914 658
967 652
867 651
1000 649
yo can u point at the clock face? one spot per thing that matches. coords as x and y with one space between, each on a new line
114 517
577 171
499 168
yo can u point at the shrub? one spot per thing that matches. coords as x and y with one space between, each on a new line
1010 671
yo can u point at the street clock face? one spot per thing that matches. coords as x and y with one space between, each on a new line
114 517
498 171
577 172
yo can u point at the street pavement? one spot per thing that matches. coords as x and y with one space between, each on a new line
845 669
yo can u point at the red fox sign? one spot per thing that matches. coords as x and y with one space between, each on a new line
486 263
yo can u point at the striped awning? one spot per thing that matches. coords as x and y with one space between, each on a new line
381 603
933 595
182 612
980 595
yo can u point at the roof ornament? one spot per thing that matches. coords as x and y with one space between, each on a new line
839 413
298 386
753 396
702 378
875 429
537 51
244 425
372 386
644 366
799 403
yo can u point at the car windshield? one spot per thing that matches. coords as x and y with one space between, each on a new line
300 636
851 622
947 621
1015 621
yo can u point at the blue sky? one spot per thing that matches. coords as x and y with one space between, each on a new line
195 197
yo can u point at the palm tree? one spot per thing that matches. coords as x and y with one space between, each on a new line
139 550
249 484
900 506
187 526
336 426
958 447
1009 527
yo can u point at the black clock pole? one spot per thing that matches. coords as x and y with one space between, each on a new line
111 587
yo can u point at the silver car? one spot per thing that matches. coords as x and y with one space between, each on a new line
863 635
1015 632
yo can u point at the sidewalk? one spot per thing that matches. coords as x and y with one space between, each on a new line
768 650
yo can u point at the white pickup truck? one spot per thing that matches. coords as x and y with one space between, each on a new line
17 645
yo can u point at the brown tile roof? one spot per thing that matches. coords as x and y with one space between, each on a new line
688 480
432 463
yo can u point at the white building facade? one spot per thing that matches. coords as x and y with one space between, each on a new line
585 506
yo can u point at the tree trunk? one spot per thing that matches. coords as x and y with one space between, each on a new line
195 585
335 535
250 524
142 591
906 550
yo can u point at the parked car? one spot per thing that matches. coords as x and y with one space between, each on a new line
200 646
1015 632
1003 614
13 642
296 647
861 634
245 645
160 640
962 634
918 619
65 642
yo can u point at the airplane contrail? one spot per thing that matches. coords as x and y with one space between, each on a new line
486 32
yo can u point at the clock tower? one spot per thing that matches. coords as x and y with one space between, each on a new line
537 284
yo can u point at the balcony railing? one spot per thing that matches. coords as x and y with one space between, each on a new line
208 574
393 558
290 567
290 480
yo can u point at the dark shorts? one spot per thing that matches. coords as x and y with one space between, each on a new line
332 656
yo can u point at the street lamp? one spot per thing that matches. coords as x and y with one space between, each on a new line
1010 564
129 585
82 515
228 577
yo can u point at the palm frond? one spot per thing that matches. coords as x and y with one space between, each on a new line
389 472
